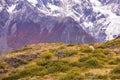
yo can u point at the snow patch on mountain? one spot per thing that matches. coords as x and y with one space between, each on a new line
1 8
113 30
52 7
11 8
84 10
112 20
97 19
33 2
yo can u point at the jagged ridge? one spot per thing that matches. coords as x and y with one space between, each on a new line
89 14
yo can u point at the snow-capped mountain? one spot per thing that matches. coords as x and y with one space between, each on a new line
71 21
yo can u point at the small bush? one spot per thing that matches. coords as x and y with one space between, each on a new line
93 63
42 62
98 50
84 59
102 77
115 76
72 75
86 50
47 55
58 66
70 45
3 68
68 53
107 52
100 56
116 70
52 50
76 64
2 65
115 61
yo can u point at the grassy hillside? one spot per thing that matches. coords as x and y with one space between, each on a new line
58 61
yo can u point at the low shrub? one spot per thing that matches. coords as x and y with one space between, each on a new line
93 63
116 70
58 66
105 77
84 59
42 62
86 50
73 75
76 64
47 55
115 76
100 56
29 71
2 65
114 61
68 53
70 45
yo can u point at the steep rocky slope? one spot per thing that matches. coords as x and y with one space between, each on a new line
72 21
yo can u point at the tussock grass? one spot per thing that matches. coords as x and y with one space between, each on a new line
59 61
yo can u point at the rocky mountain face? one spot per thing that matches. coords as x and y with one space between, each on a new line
25 22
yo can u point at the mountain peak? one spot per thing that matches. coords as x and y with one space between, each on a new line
96 19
